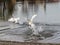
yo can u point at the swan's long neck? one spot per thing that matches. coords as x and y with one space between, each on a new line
30 22
33 17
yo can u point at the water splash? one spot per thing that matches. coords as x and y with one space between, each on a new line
18 17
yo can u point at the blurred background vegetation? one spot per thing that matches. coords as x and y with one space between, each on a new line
6 6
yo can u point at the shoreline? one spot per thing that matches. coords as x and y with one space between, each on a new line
24 43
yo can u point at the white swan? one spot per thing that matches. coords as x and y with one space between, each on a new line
32 25
15 20
31 20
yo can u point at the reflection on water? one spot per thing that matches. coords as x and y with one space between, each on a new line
53 13
31 10
51 16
